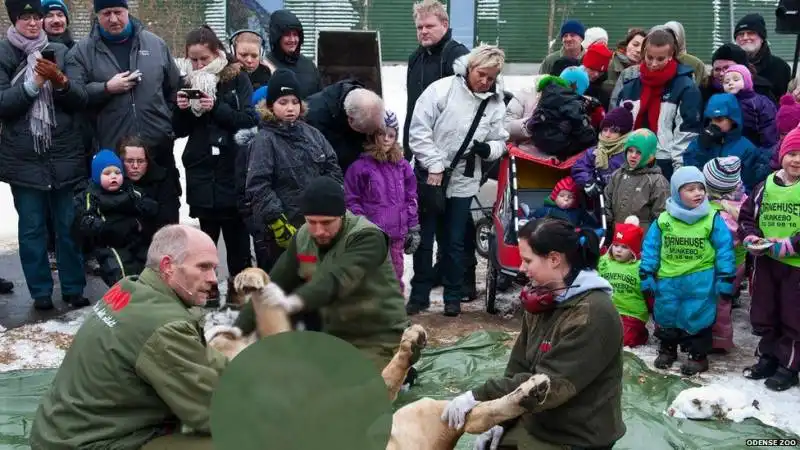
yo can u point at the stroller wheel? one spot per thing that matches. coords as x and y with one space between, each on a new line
483 228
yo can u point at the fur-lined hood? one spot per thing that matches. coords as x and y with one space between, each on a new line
460 69
230 72
371 150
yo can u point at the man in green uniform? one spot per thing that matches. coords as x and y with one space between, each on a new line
338 265
139 368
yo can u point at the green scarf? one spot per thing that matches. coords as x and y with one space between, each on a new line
607 148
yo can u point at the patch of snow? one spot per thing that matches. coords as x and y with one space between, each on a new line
713 402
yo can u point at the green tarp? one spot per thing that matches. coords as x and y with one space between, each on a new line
448 371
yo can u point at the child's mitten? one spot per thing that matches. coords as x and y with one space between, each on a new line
649 285
782 248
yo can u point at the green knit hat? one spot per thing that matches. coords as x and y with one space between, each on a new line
646 142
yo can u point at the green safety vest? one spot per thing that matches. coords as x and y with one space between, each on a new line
685 248
373 309
779 214
624 278
738 250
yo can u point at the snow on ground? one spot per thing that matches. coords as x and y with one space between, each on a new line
43 345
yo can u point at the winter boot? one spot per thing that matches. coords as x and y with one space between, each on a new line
75 300
43 303
694 365
413 308
782 380
452 309
764 368
469 289
6 286
667 355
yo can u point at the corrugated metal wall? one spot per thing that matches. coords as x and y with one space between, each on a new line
324 14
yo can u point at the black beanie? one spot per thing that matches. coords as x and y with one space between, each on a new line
562 63
282 82
730 52
100 5
17 8
323 196
753 22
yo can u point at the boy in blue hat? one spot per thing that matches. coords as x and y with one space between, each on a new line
109 213
687 263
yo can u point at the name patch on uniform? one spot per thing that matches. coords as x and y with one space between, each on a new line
306 258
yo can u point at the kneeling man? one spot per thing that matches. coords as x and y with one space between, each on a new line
139 367
338 264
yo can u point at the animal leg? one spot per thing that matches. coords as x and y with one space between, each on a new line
485 415
414 339
253 284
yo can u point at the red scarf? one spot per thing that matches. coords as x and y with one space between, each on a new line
653 83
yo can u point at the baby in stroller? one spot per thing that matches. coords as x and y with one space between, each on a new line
564 203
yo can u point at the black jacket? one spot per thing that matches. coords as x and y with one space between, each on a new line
283 159
210 177
113 223
259 77
773 69
304 68
156 185
63 164
425 66
326 113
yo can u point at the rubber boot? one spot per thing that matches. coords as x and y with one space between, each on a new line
667 355
764 368
782 380
694 365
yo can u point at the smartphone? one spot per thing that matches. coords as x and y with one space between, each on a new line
193 94
49 54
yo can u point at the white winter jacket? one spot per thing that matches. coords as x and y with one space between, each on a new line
442 117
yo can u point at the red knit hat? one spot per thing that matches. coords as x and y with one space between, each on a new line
629 234
597 57
790 143
565 184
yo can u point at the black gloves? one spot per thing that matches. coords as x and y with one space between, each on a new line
481 149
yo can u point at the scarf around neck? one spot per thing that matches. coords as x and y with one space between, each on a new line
42 114
206 80
690 216
608 148
653 83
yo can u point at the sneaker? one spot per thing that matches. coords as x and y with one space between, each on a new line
694 365
764 368
782 380
413 309
666 358
6 286
43 303
452 309
75 300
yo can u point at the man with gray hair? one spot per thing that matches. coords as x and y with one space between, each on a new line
139 366
346 113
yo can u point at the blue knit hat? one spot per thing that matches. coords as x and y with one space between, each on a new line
573 26
55 5
577 77
682 177
105 158
258 95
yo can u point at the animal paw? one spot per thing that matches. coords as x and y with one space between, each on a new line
250 280
536 387
414 339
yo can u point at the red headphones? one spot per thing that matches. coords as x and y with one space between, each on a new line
537 299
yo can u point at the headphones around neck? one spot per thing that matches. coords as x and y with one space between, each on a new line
232 41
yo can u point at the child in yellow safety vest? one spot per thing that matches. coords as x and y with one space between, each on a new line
769 225
620 267
687 263
726 195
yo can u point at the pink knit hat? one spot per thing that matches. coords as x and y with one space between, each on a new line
745 73
788 116
790 143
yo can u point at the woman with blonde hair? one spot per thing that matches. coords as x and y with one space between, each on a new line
448 153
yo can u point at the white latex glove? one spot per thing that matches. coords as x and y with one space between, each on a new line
212 332
275 296
455 412
491 437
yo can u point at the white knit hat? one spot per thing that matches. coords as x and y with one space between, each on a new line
593 35
724 174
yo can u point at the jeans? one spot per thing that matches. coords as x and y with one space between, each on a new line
450 227
237 241
32 206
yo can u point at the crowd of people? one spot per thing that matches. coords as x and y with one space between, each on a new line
698 172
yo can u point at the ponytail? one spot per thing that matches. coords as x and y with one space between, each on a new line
581 247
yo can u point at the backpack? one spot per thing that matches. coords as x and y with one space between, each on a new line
560 124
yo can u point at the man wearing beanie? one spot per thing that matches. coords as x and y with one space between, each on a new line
338 265
151 85
56 22
751 35
724 57
572 34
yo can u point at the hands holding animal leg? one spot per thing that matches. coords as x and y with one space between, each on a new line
455 413
490 438
275 296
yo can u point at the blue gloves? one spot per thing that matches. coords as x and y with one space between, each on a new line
649 285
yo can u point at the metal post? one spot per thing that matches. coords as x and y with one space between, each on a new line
732 8
796 55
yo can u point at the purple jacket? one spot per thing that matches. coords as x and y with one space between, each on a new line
383 192
585 173
758 113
